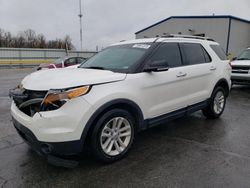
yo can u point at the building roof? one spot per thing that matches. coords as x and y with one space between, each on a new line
195 17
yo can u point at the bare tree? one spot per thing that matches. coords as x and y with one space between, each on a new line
29 39
41 40
7 39
1 37
20 40
68 43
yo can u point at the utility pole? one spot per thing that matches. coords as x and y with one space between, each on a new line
80 16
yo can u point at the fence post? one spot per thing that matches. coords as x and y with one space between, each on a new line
45 54
19 55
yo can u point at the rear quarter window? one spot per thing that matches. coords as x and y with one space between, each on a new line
219 51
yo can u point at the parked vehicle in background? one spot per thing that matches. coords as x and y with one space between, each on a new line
62 63
241 68
128 87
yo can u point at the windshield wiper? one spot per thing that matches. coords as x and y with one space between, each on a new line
94 67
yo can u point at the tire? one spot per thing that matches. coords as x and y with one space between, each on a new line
216 105
113 135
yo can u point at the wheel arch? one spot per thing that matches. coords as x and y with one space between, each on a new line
126 104
223 83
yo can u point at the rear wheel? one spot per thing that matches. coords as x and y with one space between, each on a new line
216 104
113 135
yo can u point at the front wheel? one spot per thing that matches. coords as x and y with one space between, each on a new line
113 135
216 104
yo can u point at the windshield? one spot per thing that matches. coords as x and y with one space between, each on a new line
58 61
117 58
245 55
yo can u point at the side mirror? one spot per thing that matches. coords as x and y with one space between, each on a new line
157 66
235 58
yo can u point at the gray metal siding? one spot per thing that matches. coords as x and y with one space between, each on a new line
214 28
239 37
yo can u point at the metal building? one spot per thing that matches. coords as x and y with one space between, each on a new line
231 32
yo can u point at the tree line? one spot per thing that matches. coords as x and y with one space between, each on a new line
29 39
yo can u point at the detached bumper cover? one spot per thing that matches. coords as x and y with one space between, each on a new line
59 149
62 125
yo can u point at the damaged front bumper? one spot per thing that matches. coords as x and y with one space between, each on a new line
54 133
64 124
50 125
47 148
59 153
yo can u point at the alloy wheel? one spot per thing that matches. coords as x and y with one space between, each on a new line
219 102
115 136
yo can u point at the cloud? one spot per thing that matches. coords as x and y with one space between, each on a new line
105 22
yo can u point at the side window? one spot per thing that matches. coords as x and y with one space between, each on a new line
169 52
79 60
70 61
219 52
194 54
208 59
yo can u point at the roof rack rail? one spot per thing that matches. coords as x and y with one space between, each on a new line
187 36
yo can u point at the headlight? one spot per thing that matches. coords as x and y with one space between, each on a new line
54 96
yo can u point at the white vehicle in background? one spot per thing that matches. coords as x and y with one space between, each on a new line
128 87
241 68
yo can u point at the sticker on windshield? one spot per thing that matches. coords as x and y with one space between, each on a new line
143 46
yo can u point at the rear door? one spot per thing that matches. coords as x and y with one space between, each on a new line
199 70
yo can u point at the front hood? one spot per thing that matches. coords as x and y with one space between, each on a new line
67 78
240 63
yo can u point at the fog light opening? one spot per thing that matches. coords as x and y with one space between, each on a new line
46 148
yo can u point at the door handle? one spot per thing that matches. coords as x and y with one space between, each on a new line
181 74
212 68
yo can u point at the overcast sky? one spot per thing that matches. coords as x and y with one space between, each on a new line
105 21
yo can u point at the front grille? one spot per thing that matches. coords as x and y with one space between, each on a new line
240 69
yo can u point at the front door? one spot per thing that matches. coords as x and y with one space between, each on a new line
167 91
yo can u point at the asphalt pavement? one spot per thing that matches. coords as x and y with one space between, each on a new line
188 152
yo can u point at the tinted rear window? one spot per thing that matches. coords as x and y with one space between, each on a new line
219 51
207 56
194 54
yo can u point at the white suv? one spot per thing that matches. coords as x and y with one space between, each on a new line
241 68
126 88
